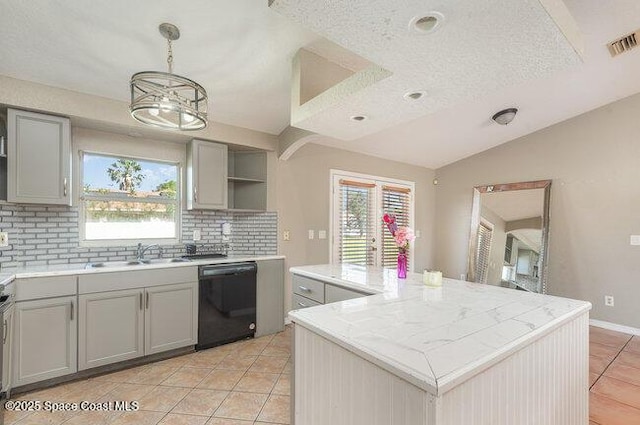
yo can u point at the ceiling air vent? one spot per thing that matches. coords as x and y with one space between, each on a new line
624 44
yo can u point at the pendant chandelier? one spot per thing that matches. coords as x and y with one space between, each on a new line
166 100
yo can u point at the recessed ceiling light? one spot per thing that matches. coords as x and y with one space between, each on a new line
505 116
358 118
415 95
427 23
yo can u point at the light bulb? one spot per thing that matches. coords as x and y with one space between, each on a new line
154 112
187 117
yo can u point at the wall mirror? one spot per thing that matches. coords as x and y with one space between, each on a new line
509 238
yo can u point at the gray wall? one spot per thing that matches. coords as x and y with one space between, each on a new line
303 195
594 161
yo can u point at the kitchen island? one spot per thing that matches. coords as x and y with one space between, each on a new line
460 354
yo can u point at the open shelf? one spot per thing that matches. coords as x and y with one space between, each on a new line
247 181
244 180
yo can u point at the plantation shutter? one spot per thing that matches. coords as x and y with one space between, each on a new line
356 222
396 201
485 234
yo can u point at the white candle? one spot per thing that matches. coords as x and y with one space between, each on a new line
432 278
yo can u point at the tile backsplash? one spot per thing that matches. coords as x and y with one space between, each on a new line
40 235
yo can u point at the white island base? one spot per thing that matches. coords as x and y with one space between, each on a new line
344 375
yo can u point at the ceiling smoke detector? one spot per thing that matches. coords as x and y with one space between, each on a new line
505 116
426 24
415 95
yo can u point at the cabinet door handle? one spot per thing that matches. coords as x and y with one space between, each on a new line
195 193
147 301
64 186
71 310
4 332
302 304
304 289
141 307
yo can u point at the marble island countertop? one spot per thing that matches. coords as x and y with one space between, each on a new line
434 338
9 274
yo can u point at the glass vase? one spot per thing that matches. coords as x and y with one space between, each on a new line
402 265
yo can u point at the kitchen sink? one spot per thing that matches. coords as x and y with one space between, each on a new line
110 264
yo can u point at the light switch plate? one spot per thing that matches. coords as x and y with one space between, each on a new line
634 240
311 234
322 234
286 235
4 239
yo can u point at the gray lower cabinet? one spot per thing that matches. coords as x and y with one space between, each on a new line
111 327
38 158
171 317
333 294
46 343
7 339
309 292
270 297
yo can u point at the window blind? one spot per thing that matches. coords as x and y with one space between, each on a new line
356 222
485 234
396 201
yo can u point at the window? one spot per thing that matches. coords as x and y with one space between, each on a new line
358 202
485 235
128 198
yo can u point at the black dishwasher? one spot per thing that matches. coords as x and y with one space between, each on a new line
227 303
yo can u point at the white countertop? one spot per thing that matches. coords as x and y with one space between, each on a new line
10 274
434 338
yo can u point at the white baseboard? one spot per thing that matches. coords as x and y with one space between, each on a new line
614 327
287 321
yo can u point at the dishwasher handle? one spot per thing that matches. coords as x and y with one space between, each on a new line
227 270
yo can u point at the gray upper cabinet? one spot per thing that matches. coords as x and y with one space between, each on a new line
38 158
206 175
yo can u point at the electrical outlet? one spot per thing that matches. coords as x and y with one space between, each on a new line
286 235
418 234
197 235
634 240
608 300
4 239
322 234
463 276
311 234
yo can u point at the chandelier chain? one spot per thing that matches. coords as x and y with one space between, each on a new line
169 56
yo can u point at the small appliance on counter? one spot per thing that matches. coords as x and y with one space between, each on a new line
201 251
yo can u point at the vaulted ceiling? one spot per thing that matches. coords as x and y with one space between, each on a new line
242 52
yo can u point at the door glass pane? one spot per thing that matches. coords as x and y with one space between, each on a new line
356 223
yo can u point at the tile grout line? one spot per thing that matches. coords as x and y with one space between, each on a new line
611 362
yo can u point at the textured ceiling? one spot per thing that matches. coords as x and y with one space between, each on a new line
239 50
482 47
242 52
465 128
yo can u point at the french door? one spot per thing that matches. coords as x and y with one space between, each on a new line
358 204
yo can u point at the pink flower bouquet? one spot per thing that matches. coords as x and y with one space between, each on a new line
402 235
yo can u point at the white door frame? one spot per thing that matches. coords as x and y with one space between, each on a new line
334 178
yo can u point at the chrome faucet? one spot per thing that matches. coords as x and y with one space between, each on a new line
143 249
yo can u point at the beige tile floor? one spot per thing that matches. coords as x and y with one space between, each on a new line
243 383
614 369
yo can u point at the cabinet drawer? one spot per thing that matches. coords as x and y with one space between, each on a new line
45 287
308 288
334 294
122 280
302 302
